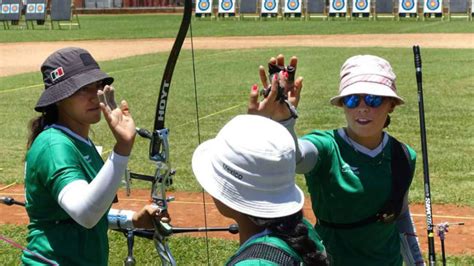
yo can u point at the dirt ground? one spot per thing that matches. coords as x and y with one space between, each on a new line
26 57
187 211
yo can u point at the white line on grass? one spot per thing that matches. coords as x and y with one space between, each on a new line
210 115
115 72
22 88
201 118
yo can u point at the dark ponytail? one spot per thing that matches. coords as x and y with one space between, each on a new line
37 124
294 232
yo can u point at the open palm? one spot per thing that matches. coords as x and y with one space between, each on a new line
119 120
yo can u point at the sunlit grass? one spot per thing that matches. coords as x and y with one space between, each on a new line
106 27
223 81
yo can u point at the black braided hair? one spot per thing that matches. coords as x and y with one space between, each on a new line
37 124
294 232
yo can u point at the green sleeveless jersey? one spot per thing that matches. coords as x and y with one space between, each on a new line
55 159
347 186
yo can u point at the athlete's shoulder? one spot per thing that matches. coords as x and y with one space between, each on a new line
52 136
50 142
411 151
321 133
320 137
324 140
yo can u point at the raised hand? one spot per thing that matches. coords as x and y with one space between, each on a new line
119 120
285 78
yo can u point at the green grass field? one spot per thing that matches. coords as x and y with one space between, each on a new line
224 79
97 27
448 89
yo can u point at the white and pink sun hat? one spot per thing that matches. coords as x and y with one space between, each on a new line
367 74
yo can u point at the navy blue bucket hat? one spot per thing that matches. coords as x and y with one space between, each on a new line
65 72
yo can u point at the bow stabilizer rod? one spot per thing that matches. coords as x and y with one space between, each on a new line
10 201
148 233
424 150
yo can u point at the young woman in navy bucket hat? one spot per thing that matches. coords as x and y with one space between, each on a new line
69 189
358 176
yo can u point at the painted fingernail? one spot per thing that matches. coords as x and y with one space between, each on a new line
254 87
275 77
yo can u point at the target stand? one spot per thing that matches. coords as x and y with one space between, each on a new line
63 14
35 12
10 13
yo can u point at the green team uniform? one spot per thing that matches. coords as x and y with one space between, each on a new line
55 159
276 242
347 186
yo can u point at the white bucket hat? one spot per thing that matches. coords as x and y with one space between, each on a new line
367 74
250 167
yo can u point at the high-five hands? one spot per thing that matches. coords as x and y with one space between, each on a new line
282 96
119 120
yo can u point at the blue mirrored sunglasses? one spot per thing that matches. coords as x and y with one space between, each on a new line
353 100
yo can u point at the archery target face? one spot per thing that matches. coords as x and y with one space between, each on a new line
337 6
15 8
361 6
203 6
5 9
269 6
292 6
40 8
433 6
226 6
31 8
407 6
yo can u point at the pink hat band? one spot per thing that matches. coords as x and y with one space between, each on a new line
369 78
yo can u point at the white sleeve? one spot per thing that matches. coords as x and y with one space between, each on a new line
86 202
406 227
306 152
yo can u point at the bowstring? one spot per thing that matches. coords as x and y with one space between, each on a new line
199 135
17 245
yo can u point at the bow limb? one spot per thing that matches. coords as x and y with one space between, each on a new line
159 146
172 59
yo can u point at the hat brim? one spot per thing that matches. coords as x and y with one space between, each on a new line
264 204
68 87
367 88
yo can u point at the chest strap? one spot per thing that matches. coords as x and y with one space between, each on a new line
402 175
265 251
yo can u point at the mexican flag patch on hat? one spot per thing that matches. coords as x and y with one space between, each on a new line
57 73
